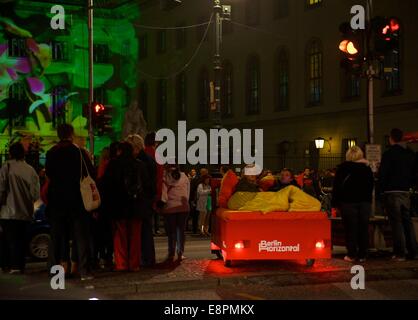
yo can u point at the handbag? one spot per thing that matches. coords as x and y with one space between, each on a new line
89 192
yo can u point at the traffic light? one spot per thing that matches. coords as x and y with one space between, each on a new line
386 34
351 47
102 118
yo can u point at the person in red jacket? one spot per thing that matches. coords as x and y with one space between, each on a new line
150 149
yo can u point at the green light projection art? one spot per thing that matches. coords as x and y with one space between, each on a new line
39 72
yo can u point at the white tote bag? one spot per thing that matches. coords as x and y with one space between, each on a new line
89 192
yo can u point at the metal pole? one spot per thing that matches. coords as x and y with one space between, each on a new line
91 79
370 78
217 62
370 103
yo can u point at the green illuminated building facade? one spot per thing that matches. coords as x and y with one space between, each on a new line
44 72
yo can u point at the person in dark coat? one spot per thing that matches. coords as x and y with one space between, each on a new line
397 177
66 211
352 195
147 235
126 186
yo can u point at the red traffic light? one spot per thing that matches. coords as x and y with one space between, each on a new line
98 108
390 28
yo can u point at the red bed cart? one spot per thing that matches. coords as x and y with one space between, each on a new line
238 235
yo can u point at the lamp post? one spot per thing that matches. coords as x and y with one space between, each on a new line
91 79
216 107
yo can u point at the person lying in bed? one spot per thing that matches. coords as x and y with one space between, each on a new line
248 182
287 178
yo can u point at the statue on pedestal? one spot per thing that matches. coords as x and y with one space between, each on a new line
134 122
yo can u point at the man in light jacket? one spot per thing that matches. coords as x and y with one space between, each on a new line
19 189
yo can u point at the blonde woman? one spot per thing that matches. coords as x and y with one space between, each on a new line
352 195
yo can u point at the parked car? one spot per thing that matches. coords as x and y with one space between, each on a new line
39 235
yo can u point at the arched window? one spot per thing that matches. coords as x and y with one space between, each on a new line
282 89
227 89
253 85
181 92
204 94
315 77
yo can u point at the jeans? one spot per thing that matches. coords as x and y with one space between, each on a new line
398 206
13 244
176 226
355 218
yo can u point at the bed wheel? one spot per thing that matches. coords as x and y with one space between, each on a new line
310 262
228 263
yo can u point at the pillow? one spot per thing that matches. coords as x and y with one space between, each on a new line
266 183
239 199
228 184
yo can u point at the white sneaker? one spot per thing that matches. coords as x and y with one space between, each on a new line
348 259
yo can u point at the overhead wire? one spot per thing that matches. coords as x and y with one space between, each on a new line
175 74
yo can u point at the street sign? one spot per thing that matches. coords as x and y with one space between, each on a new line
374 156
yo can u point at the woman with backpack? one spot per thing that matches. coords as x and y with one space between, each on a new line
125 185
175 209
352 195
203 205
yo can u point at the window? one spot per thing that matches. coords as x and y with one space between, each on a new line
281 9
313 3
351 86
314 73
143 98
143 47
204 94
252 12
227 89
17 48
101 53
59 51
161 41
282 89
253 85
58 105
181 91
181 38
18 104
162 103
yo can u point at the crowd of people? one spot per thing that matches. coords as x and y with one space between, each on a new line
136 192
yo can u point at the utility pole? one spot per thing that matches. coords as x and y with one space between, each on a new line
216 108
91 79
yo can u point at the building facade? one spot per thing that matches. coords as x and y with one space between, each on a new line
44 72
281 73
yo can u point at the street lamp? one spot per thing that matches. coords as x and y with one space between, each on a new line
320 144
221 12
